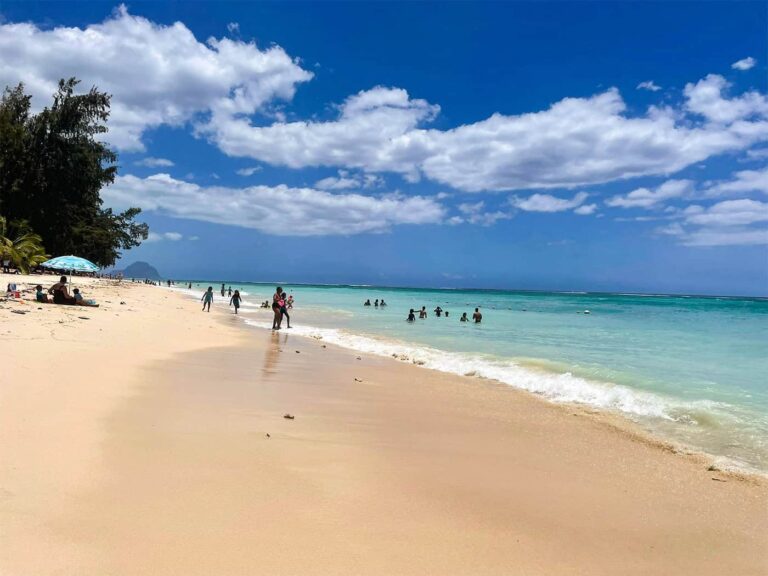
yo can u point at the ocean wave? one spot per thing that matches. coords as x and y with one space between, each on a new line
557 387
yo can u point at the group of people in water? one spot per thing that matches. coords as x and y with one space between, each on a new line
477 317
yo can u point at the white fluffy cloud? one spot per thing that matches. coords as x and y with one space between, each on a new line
160 236
649 85
586 210
744 181
156 74
163 75
346 181
728 213
727 223
727 237
706 98
278 210
357 139
476 213
548 203
250 171
151 162
576 141
650 198
744 64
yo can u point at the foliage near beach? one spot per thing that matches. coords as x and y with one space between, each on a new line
52 169
21 246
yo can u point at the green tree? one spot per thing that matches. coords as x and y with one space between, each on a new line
21 246
53 167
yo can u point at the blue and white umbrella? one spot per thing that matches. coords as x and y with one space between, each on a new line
70 264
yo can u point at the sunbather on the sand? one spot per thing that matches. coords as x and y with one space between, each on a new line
41 296
80 301
60 292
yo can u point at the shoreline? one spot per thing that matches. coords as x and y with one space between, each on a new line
156 461
616 417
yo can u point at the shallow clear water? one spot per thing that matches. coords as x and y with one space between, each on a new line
692 369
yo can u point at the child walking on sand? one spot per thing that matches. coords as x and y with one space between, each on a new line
207 298
235 300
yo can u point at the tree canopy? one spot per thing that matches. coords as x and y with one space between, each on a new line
52 168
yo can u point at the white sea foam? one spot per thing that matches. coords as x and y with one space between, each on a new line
564 387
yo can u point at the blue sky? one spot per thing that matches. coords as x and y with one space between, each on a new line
569 146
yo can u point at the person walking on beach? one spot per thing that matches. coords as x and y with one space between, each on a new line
207 298
477 316
276 297
235 300
229 291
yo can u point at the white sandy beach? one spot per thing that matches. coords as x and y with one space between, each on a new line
149 438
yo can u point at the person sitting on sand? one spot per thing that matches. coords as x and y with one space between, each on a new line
40 295
477 316
80 301
464 318
411 316
423 312
60 292
235 300
207 298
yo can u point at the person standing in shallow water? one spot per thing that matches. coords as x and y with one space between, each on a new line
276 297
207 298
477 316
235 300
223 291
284 309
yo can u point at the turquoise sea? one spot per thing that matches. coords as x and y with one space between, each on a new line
693 370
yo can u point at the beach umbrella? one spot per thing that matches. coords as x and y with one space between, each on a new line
70 264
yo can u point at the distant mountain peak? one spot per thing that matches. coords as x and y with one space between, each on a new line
141 270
